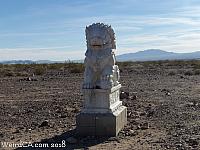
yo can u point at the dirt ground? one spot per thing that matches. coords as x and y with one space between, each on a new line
163 104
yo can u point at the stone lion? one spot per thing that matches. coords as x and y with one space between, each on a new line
100 69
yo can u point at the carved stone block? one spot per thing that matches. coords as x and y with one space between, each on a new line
101 124
101 100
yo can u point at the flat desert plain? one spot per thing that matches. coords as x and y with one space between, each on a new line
39 103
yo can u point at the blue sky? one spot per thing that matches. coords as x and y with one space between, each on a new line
55 29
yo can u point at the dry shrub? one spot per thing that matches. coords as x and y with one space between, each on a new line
172 73
197 72
124 64
9 74
56 66
76 68
188 73
39 70
22 74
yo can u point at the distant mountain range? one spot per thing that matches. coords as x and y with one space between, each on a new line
30 62
146 55
157 54
37 62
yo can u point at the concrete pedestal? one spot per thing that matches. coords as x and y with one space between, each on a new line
103 113
101 124
101 100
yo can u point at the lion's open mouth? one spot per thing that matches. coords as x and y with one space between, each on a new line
98 46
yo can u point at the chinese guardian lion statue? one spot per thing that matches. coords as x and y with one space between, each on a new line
100 69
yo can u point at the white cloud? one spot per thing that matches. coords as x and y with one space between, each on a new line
141 39
177 31
31 34
177 41
189 11
36 48
50 53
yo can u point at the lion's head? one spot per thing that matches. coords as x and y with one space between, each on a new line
100 36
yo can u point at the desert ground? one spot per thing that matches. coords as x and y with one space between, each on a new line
39 104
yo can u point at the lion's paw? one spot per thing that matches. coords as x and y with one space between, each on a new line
87 86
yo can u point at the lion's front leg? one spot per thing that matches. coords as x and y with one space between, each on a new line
107 78
88 78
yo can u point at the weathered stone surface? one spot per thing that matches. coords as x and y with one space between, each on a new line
101 124
101 100
44 124
102 113
100 69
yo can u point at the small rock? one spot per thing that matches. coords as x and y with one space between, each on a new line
175 134
142 113
167 146
144 126
1 135
76 110
129 114
44 124
193 142
71 140
127 134
29 129
124 95
134 97
34 124
133 133
179 145
15 131
195 103
20 128
139 126
28 79
63 116
58 111
34 79
150 112
167 92
190 104
164 90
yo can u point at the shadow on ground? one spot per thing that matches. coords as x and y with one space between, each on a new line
60 142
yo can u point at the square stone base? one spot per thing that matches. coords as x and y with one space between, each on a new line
101 124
